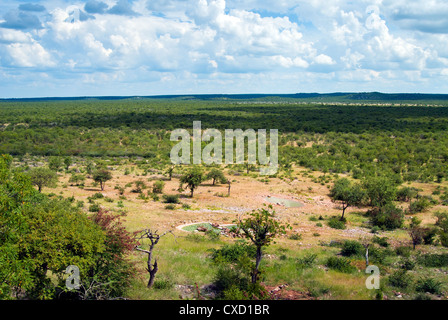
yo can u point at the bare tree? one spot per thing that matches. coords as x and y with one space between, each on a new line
154 238
366 244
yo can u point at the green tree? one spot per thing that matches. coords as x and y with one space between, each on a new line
102 176
111 274
217 176
40 236
348 193
387 217
90 167
380 190
55 163
170 172
416 232
261 227
193 178
43 177
77 179
442 224
68 162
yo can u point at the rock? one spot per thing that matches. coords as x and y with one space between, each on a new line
201 229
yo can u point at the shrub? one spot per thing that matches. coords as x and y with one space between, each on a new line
433 260
336 223
428 284
212 234
388 217
97 195
194 237
382 241
231 253
163 284
352 248
94 207
406 193
400 279
422 296
419 205
340 264
307 261
403 251
171 198
170 207
295 236
158 186
186 206
429 235
408 264
379 255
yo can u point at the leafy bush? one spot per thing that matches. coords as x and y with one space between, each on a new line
97 195
170 207
163 284
186 206
430 285
406 193
387 217
352 248
340 264
400 279
307 261
419 205
433 260
94 207
336 223
429 235
231 253
171 198
158 186
403 251
380 255
408 264
295 236
213 235
382 241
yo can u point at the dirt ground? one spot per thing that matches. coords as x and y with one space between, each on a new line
211 204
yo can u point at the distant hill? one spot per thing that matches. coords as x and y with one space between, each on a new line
336 96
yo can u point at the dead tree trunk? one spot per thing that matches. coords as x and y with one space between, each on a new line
154 238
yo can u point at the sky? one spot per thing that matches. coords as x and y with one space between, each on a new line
67 48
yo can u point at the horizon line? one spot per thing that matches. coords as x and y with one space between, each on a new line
105 97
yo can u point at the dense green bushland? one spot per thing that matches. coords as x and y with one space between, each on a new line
408 143
41 236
